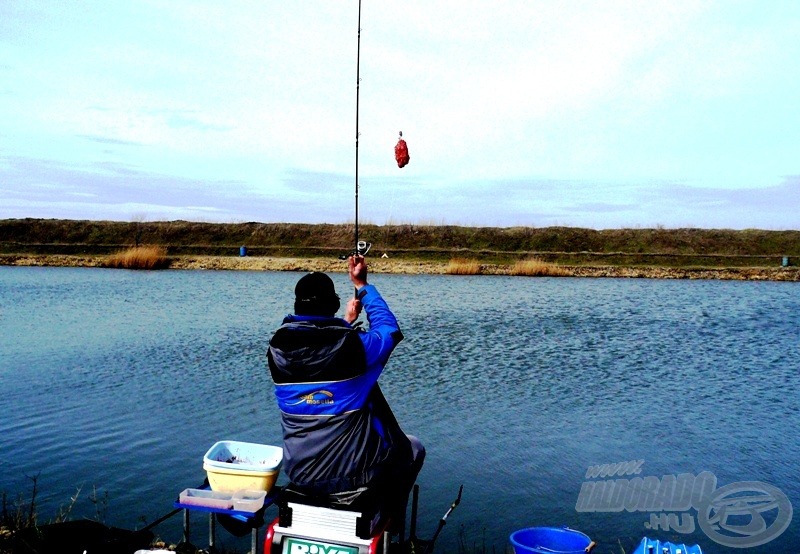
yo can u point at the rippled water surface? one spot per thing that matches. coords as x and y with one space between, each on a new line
117 383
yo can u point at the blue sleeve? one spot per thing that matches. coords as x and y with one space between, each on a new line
384 331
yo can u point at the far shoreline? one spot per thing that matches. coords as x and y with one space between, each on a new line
408 267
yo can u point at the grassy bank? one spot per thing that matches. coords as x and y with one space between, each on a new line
522 251
560 245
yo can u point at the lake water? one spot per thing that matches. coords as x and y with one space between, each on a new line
117 382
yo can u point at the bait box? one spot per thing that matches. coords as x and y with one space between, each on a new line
248 501
207 498
234 466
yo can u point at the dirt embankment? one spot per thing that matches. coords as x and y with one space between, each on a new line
382 265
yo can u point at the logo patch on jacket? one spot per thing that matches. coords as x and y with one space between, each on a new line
315 398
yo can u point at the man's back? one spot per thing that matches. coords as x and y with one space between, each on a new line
339 432
334 438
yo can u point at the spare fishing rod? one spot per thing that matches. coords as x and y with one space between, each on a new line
456 502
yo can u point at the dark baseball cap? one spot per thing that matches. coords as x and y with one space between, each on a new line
315 294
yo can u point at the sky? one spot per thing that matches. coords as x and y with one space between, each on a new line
597 114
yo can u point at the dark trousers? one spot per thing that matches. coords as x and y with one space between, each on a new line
402 483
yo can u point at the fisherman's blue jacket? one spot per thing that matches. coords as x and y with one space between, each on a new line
339 433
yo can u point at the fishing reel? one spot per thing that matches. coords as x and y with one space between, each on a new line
362 247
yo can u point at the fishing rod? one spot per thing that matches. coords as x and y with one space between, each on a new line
358 90
361 247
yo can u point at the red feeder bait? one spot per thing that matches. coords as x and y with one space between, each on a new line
401 152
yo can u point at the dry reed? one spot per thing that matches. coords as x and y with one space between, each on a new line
139 257
461 266
538 268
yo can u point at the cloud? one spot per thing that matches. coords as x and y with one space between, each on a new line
104 187
320 183
776 201
584 112
47 188
593 204
108 140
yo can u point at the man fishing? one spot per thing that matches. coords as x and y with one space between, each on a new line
340 436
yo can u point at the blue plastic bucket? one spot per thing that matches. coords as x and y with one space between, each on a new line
549 540
243 251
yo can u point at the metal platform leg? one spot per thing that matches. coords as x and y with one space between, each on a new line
212 531
254 541
185 525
